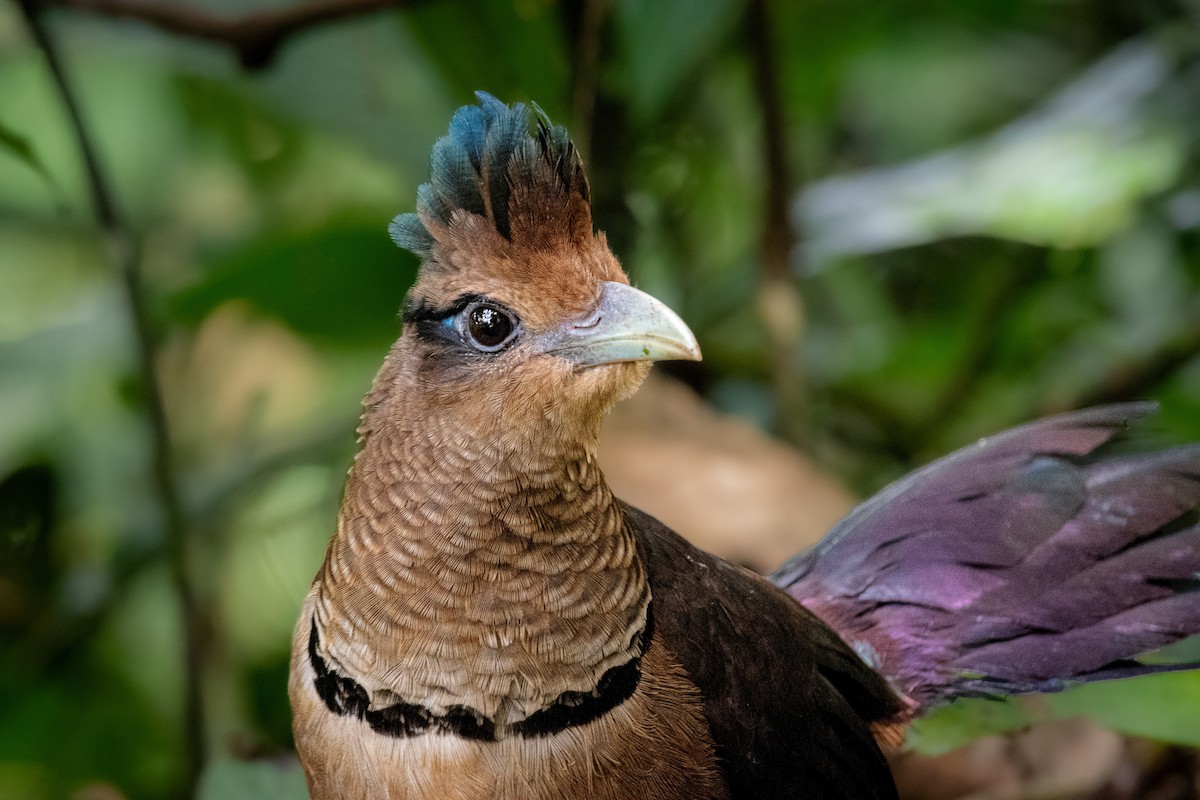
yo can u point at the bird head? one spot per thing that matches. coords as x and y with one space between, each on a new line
521 315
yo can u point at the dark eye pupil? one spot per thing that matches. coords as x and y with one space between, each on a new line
489 326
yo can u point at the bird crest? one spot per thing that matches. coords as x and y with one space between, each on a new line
530 187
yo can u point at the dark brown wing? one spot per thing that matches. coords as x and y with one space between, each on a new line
789 705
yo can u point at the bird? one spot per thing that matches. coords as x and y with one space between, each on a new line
489 621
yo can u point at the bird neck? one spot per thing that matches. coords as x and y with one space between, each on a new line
468 574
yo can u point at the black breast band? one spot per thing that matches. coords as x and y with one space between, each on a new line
346 697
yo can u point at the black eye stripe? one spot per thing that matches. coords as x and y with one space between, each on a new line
421 310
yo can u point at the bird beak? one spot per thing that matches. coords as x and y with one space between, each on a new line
626 325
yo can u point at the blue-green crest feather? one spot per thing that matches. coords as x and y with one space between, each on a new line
473 167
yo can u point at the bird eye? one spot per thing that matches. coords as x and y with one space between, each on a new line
489 327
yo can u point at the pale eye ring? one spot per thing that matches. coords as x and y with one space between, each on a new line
488 327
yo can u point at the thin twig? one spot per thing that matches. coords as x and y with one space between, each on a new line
125 251
255 37
585 76
778 239
779 301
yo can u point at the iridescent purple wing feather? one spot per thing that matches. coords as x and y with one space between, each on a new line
1025 562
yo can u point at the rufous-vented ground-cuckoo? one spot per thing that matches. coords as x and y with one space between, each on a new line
490 622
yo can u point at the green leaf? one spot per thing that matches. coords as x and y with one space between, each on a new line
19 146
342 283
363 81
47 752
964 721
22 149
663 42
513 50
1071 173
1160 707
227 779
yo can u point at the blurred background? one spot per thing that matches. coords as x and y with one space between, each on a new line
895 227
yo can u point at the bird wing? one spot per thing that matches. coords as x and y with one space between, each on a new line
1023 562
788 704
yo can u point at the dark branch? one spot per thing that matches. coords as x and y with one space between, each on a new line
779 302
125 251
585 69
255 37
778 238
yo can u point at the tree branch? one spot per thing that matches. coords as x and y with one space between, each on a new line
778 239
585 72
779 302
255 37
125 251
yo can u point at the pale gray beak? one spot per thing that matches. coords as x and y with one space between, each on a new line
627 325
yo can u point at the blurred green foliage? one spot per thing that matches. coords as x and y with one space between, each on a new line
995 211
